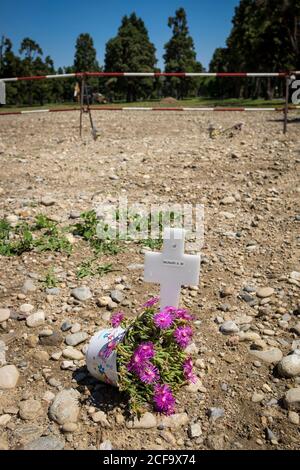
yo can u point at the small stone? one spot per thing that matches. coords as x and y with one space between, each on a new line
229 327
56 355
270 356
76 338
26 308
248 336
48 396
117 296
289 366
35 319
69 427
64 408
215 413
30 409
175 421
196 387
75 328
106 445
227 200
67 365
46 443
53 290
296 329
257 397
293 417
195 430
295 275
48 201
41 356
227 291
103 301
263 292
72 353
29 286
5 419
9 376
54 339
4 314
32 341
67 325
146 421
101 418
270 436
3 349
292 398
81 293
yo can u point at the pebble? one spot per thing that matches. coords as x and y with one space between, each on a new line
146 421
293 417
48 396
53 290
227 291
67 325
257 397
26 308
35 319
229 327
30 409
52 340
81 293
175 421
117 296
64 408
4 314
46 443
29 286
3 349
5 419
270 356
289 366
75 328
72 353
48 201
101 418
263 292
106 445
9 376
195 430
103 301
292 398
76 338
296 329
69 427
227 200
215 413
295 275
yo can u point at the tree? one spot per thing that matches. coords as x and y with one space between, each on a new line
85 54
130 51
180 56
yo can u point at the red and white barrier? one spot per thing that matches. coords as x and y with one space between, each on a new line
128 108
154 74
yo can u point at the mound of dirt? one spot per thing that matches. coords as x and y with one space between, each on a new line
169 100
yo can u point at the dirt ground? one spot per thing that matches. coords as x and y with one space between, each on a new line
249 183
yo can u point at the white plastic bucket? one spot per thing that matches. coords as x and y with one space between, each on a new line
101 356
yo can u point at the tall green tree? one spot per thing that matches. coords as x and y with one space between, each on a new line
180 56
85 54
130 51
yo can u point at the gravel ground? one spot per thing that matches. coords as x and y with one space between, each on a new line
247 306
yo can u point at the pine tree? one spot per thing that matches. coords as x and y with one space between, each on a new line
85 54
180 56
130 51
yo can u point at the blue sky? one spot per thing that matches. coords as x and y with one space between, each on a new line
55 24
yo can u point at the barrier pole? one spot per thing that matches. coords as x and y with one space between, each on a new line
81 104
286 107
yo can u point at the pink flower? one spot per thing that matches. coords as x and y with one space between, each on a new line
116 319
183 335
188 370
182 314
146 350
164 400
163 319
151 302
149 374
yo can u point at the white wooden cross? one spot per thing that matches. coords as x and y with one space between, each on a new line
172 268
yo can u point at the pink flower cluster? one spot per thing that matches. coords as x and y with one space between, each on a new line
164 399
188 370
116 319
140 363
165 319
